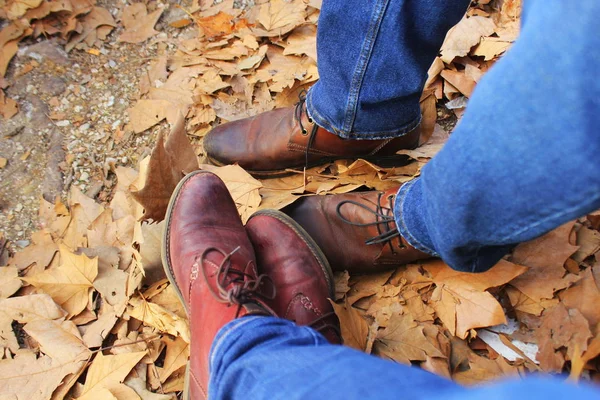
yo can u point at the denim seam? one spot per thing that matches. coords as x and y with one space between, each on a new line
402 228
324 123
363 61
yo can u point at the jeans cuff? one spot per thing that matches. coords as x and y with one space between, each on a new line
401 220
329 126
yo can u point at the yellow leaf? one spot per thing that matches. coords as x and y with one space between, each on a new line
281 16
355 330
59 340
158 317
29 308
108 372
69 284
464 35
9 281
178 352
139 25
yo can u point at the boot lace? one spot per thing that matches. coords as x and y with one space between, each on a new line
299 110
235 287
384 219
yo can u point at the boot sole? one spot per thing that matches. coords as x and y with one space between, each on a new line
167 263
312 245
399 160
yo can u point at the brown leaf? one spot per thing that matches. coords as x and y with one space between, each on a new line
521 302
107 373
29 308
216 25
355 330
302 40
17 8
490 48
168 163
579 361
463 36
459 80
139 25
341 284
10 36
545 256
588 241
404 341
147 113
561 328
97 18
8 107
584 296
178 351
9 281
483 370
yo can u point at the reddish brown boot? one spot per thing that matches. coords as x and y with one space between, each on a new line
210 261
270 143
356 231
300 271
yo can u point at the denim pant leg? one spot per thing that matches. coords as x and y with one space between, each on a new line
373 62
524 158
271 358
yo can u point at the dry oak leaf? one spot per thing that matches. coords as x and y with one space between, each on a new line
279 17
561 328
354 328
168 164
70 283
545 257
403 341
108 372
33 378
139 25
464 35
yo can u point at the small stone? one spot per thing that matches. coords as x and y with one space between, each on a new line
112 64
84 176
19 207
22 243
84 127
124 160
17 227
78 108
111 101
63 123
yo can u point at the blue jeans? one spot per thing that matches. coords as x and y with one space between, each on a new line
523 160
271 358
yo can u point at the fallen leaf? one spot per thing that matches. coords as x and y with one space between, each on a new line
302 40
168 164
108 372
29 308
579 362
403 341
8 108
18 8
588 241
158 317
216 25
97 18
545 257
9 281
584 296
561 328
355 330
490 48
147 113
279 17
138 24
59 340
70 283
482 370
459 80
178 352
464 35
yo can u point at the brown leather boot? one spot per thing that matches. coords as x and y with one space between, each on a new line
270 143
302 275
210 261
356 231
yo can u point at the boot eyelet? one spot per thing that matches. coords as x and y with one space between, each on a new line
310 120
304 132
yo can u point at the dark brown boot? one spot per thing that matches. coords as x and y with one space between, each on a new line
356 231
300 271
270 143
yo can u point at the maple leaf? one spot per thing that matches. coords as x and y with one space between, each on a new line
216 25
107 373
168 164
158 317
403 340
59 340
178 352
561 327
95 20
279 17
545 256
8 107
70 283
139 25
29 308
355 330
584 296
17 8
464 35
9 281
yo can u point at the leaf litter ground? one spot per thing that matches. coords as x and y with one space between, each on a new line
85 311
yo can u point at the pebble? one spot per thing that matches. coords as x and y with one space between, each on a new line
22 243
112 63
84 127
111 101
84 176
63 123
18 207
